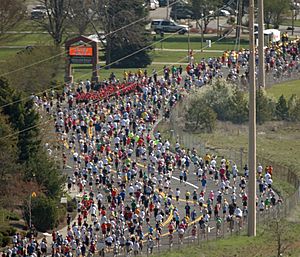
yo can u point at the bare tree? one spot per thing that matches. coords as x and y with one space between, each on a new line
279 230
57 14
11 13
81 14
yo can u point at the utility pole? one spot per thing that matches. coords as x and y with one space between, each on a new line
168 6
293 21
252 127
189 41
261 44
202 32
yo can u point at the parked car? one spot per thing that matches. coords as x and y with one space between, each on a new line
38 15
38 12
161 25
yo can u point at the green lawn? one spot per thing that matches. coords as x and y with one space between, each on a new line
263 245
288 23
26 39
181 42
180 56
286 88
8 53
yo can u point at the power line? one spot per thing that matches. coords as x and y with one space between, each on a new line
65 52
122 58
42 123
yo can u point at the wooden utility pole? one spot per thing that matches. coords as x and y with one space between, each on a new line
252 127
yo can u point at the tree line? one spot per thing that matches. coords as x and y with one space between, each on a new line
226 102
25 164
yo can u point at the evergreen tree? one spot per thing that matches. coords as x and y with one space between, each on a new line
294 111
8 153
218 98
282 109
264 107
116 14
238 107
23 118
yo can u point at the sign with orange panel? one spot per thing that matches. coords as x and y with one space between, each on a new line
80 51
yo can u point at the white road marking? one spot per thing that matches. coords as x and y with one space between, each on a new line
188 183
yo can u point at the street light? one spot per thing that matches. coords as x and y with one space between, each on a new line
32 195
202 32
189 42
167 9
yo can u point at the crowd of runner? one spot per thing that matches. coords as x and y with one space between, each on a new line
134 187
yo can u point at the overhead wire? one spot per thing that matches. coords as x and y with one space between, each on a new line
107 65
65 52
45 122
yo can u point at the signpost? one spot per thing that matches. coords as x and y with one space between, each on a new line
81 50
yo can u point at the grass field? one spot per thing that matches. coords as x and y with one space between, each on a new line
181 41
263 245
288 23
180 56
286 88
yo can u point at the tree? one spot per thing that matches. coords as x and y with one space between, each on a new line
279 229
80 14
115 14
264 107
239 111
21 116
218 98
30 153
274 10
202 10
44 213
35 77
46 174
11 13
57 13
282 109
200 116
294 108
8 150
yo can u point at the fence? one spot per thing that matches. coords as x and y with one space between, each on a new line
213 230
196 235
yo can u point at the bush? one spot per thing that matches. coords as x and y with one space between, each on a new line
200 116
44 213
13 216
7 230
5 241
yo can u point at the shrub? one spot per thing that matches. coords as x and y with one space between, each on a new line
44 213
5 241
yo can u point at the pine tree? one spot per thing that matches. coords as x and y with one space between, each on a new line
238 107
282 109
264 107
118 13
